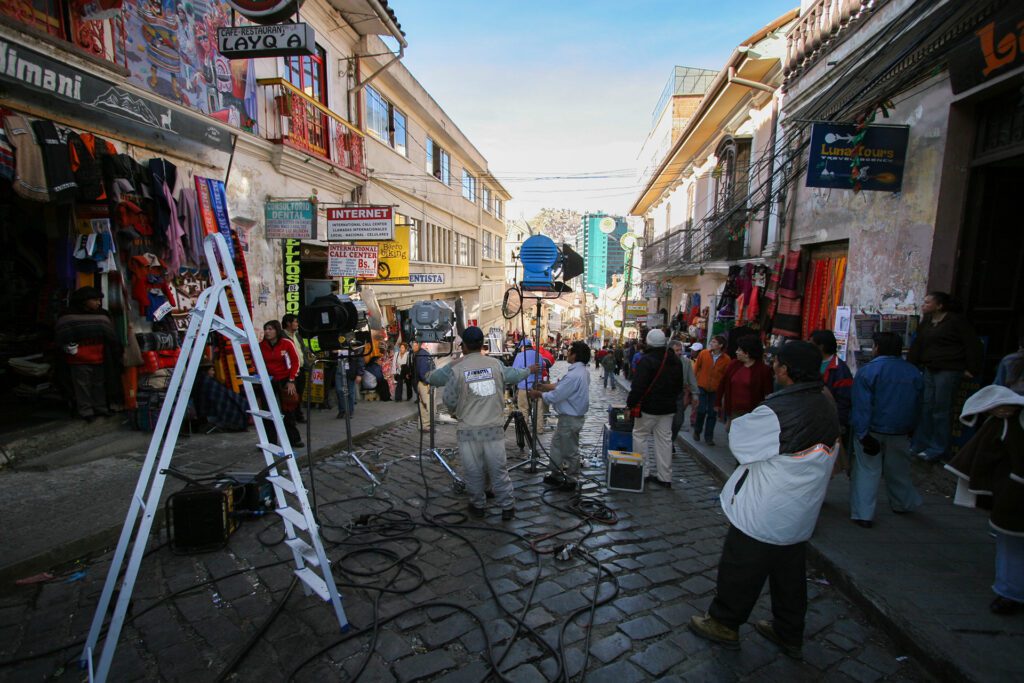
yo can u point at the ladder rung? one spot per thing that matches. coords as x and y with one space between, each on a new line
229 330
272 448
294 516
313 580
283 483
304 549
265 414
251 379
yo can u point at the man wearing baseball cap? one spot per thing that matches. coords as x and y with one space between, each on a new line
474 391
786 450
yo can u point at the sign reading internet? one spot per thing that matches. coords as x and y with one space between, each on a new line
360 223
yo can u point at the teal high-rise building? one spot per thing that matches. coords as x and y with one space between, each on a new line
603 256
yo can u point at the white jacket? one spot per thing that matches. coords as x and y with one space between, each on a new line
774 497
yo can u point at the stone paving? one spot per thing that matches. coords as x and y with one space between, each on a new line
422 584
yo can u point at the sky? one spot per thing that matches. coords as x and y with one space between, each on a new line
566 87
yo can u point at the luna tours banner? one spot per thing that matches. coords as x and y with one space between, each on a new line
845 158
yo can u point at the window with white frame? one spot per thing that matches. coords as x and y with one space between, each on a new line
469 186
499 208
462 257
415 240
385 122
488 253
487 199
438 162
499 255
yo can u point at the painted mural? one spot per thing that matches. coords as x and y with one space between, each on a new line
172 51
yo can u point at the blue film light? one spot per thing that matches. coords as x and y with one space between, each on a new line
540 257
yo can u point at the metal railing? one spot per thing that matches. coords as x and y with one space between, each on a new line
292 118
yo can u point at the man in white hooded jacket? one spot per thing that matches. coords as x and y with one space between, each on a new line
786 451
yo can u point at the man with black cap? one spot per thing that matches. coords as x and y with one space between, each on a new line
786 451
474 391
91 349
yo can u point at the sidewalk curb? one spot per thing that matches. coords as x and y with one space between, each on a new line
937 663
107 538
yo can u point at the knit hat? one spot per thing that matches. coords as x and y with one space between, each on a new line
656 338
472 335
986 399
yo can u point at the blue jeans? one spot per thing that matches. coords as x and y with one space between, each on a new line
706 415
1009 581
350 389
892 462
935 427
609 378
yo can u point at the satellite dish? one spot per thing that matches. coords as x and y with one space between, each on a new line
607 225
460 316
374 315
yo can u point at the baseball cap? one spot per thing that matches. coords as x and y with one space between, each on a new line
696 346
472 335
527 342
656 338
803 357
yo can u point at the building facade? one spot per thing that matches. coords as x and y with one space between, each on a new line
597 241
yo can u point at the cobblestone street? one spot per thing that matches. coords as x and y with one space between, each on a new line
412 576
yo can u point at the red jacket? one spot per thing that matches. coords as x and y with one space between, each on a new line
281 359
762 383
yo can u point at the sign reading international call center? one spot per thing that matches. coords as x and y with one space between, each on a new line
882 153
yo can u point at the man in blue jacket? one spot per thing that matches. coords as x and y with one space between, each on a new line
886 400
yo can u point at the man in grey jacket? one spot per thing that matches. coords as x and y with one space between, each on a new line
690 388
474 391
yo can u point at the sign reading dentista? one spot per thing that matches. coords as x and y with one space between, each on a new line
266 11
351 223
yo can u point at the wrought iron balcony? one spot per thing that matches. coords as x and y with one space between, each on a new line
820 29
718 237
292 118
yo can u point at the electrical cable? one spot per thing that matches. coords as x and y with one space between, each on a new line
230 667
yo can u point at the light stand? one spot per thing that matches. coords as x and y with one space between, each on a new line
457 483
341 375
532 462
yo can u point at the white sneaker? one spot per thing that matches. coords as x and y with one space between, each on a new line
446 419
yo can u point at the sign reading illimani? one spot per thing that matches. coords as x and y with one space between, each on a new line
277 40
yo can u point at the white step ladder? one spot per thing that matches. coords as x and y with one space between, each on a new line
213 313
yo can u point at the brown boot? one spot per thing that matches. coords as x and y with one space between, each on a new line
766 629
705 626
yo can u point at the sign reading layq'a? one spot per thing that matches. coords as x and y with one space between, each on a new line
276 40
369 223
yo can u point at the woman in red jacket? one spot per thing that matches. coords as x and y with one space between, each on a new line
282 362
746 382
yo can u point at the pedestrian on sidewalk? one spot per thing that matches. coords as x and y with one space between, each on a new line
618 358
282 363
474 391
991 464
290 330
746 382
886 394
835 374
348 381
90 351
403 373
380 385
947 350
710 368
786 449
571 398
656 384
608 365
687 396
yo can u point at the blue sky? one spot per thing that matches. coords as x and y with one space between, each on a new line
557 88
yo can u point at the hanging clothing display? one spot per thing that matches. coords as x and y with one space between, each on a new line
825 281
786 316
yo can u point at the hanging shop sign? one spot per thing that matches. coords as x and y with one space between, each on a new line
290 219
636 309
393 259
292 265
346 260
266 11
426 278
276 40
838 148
650 290
35 80
360 223
994 49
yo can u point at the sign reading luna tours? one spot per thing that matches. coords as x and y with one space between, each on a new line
836 151
351 223
996 48
290 219
276 40
33 78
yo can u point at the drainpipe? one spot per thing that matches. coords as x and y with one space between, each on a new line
772 141
732 78
396 33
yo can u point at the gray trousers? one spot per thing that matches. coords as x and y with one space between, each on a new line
658 428
483 461
892 462
565 444
90 389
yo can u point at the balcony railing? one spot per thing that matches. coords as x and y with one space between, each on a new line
104 38
815 33
718 237
292 118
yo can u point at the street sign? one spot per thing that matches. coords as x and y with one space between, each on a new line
276 40
369 223
290 219
636 309
344 260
